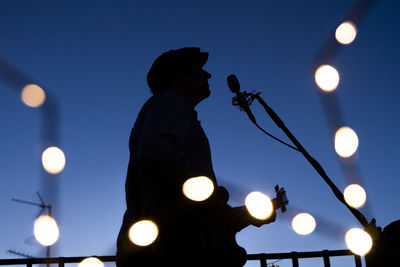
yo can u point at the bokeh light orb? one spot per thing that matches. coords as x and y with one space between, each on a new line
346 32
53 160
358 241
33 96
198 188
327 78
304 223
355 195
143 233
46 230
91 262
346 142
259 205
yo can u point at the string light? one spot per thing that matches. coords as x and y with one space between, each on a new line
346 142
346 32
358 241
355 195
143 233
53 160
327 78
198 188
46 230
91 262
259 205
33 96
304 223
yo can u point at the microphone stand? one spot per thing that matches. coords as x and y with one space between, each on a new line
369 227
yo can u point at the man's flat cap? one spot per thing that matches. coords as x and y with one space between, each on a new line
163 67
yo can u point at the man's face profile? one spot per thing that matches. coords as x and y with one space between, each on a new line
194 83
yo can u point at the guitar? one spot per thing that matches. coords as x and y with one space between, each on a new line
218 235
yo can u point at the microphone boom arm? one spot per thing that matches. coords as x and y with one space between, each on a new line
370 227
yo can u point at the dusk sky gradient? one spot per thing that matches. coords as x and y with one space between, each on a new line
93 57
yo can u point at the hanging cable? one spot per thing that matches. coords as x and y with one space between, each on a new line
277 139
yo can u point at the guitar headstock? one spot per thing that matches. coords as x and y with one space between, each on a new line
281 200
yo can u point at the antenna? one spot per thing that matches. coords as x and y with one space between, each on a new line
11 251
43 206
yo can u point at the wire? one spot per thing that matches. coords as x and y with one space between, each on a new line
277 139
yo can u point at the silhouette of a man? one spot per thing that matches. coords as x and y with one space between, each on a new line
167 147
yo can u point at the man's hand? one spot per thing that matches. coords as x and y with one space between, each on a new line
258 223
245 219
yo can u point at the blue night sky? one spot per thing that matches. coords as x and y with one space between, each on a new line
93 57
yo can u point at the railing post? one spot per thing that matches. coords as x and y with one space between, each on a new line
357 258
295 259
263 262
327 262
61 262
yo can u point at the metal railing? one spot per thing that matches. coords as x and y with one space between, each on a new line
61 261
262 258
295 256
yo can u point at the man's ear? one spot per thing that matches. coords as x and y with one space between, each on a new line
177 78
180 76
180 73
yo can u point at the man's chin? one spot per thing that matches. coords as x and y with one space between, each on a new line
207 93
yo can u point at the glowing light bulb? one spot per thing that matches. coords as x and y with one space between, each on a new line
259 205
358 241
91 262
327 78
46 230
346 142
53 160
198 188
303 223
355 195
346 32
33 96
143 233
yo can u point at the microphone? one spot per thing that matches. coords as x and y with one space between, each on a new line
234 86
